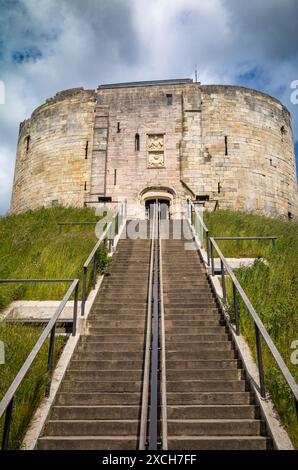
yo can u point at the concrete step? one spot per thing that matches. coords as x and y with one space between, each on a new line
203 354
188 330
214 427
203 303
102 365
88 443
100 312
189 317
125 297
209 398
92 427
110 303
182 412
198 346
104 375
96 412
201 364
217 443
116 331
204 322
192 338
199 374
98 398
128 321
206 385
110 355
90 346
197 310
105 338
117 386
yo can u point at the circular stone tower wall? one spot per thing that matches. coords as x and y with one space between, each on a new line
53 162
247 153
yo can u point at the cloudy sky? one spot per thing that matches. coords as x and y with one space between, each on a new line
50 45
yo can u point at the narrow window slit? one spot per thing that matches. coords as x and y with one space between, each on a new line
137 142
226 145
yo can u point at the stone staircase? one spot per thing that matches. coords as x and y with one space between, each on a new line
209 403
98 405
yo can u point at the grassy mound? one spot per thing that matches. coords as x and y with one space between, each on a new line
273 290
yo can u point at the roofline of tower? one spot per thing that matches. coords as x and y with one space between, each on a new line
176 81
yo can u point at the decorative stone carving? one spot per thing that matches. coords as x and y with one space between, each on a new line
155 148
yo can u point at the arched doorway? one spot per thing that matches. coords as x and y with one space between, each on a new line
164 207
165 196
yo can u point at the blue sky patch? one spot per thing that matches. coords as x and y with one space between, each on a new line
26 55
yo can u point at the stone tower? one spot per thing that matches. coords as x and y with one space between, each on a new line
171 139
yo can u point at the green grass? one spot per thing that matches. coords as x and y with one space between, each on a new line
273 290
31 248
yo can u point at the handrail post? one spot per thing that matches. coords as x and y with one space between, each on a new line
260 362
50 360
236 311
223 281
212 258
84 291
208 247
7 423
274 244
94 269
75 310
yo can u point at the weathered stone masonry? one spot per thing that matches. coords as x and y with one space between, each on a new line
171 139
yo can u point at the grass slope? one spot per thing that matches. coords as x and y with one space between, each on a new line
273 291
31 248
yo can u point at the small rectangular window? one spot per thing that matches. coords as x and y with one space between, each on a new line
86 150
85 186
169 100
115 177
103 199
118 127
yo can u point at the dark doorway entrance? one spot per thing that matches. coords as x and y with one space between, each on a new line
164 207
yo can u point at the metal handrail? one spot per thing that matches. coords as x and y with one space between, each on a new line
147 359
259 328
6 405
106 235
164 418
273 239
154 379
203 228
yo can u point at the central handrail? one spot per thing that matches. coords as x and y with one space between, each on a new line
147 359
164 418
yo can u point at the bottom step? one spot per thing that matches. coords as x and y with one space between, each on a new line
88 443
218 443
